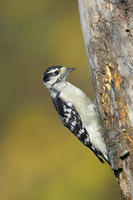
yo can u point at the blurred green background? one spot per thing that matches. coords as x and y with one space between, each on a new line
39 158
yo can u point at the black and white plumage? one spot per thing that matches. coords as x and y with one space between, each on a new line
75 109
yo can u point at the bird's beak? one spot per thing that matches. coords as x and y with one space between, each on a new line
70 69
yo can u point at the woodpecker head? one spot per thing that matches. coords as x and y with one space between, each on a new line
55 74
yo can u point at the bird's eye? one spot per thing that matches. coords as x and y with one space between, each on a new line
56 72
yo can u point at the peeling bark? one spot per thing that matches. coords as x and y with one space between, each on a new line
107 27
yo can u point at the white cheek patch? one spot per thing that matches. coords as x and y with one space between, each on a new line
53 80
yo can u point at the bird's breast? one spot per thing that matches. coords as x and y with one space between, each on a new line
80 101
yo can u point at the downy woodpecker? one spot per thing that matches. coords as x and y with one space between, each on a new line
76 110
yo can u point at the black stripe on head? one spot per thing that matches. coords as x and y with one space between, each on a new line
46 77
49 72
52 68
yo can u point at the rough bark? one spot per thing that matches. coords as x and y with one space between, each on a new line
107 27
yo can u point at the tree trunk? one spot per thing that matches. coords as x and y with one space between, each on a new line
107 27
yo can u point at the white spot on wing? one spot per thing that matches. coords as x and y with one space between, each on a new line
74 123
69 104
80 132
71 127
66 120
67 110
68 115
93 148
87 140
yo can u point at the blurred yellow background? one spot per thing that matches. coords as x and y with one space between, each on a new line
39 158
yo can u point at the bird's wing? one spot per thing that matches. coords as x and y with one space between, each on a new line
73 122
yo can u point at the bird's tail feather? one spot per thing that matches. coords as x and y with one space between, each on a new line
99 155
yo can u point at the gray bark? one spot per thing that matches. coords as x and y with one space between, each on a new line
107 27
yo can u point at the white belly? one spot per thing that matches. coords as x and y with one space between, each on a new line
87 113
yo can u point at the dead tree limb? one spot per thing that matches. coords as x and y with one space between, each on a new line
107 27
